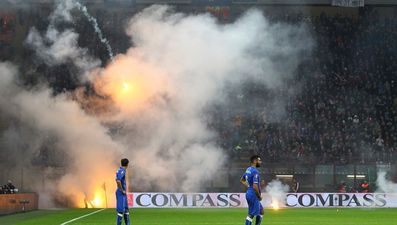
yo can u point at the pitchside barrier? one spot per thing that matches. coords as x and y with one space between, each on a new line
237 200
12 203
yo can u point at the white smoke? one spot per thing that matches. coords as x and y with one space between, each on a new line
62 11
94 23
277 192
384 185
59 47
176 71
195 57
84 140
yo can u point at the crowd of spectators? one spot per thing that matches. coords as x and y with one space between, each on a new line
7 32
344 111
8 188
362 187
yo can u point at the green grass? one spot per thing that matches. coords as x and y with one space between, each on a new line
208 216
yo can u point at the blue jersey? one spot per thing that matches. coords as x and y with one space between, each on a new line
251 176
120 175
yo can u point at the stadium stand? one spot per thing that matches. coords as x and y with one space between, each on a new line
345 112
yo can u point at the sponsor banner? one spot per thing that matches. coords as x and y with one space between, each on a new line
183 200
321 200
237 200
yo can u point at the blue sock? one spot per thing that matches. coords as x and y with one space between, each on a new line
127 218
248 221
119 218
258 220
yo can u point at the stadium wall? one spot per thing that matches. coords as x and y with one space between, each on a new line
237 200
13 203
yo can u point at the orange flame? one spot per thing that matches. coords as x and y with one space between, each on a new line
99 195
99 200
130 83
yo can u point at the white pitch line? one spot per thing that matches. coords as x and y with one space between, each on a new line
81 217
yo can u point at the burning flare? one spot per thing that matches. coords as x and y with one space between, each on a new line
130 83
275 205
126 86
99 200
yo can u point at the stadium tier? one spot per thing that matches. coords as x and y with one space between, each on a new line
198 111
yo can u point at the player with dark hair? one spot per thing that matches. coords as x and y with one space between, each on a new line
121 194
251 181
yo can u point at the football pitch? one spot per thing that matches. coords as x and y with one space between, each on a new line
205 217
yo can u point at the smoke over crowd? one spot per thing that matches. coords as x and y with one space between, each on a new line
150 104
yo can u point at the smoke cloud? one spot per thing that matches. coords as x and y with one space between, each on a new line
384 185
150 104
85 141
57 47
278 193
179 74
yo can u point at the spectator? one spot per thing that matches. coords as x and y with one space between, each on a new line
364 186
295 185
342 188
8 188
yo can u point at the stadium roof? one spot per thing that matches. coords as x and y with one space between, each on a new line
212 2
